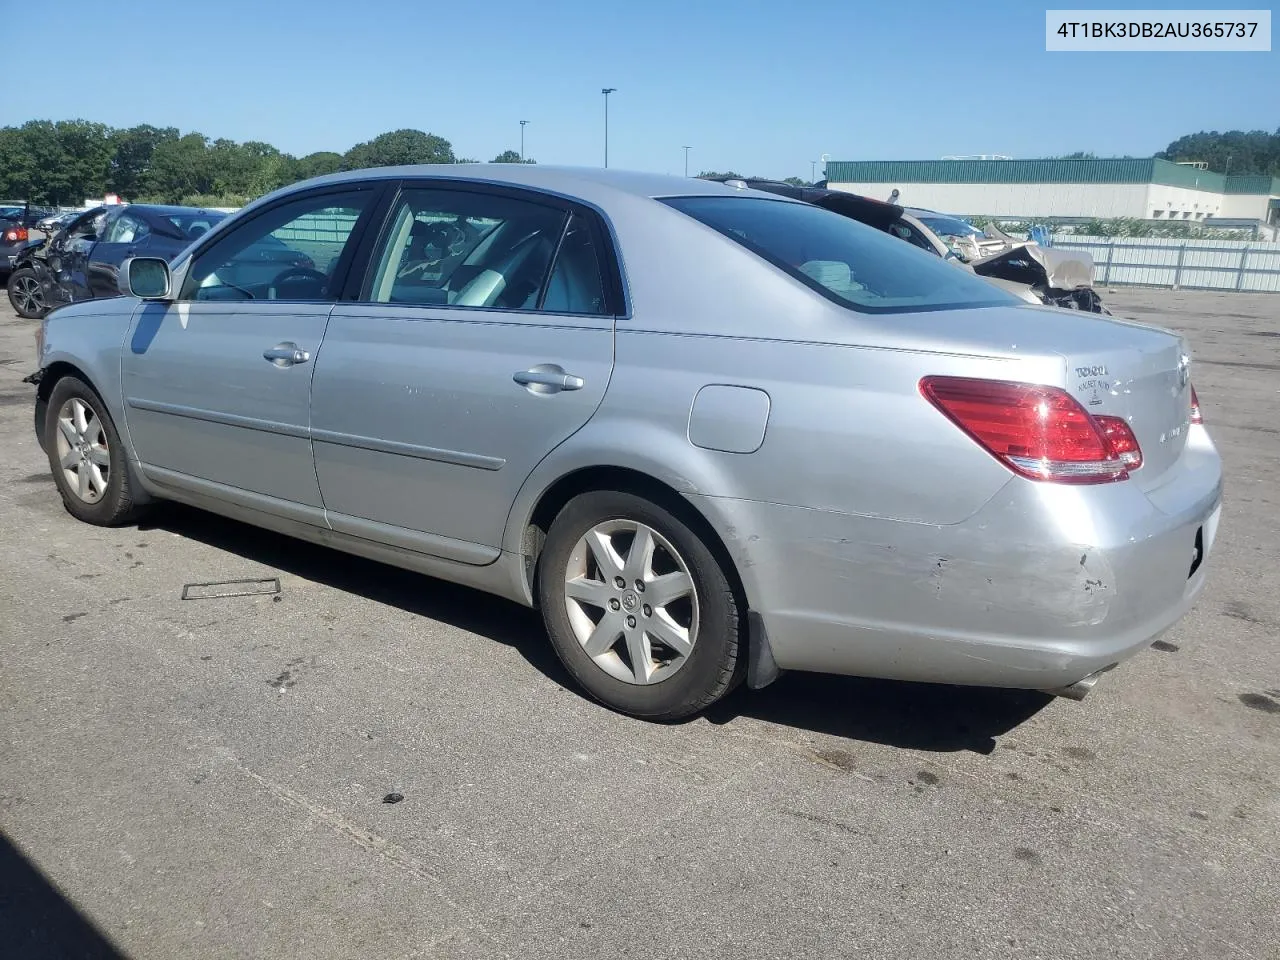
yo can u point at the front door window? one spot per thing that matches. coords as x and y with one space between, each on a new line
294 252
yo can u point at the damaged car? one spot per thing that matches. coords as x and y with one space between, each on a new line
1035 274
779 439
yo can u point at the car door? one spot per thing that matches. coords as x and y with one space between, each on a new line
217 383
481 338
125 235
69 260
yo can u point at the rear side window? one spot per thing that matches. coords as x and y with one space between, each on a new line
855 265
449 247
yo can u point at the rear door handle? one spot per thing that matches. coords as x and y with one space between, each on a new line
548 378
286 354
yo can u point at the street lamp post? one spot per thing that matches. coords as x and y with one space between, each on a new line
522 123
606 91
813 171
686 159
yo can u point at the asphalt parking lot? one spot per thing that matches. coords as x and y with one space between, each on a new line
204 778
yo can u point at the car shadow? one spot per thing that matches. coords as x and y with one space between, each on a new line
37 920
919 716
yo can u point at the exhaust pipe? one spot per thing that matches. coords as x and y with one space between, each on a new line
1080 689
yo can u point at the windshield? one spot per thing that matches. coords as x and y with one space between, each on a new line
950 227
846 261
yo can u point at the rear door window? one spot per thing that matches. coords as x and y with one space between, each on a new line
848 262
457 248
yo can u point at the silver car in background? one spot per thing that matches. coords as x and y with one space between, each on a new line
711 433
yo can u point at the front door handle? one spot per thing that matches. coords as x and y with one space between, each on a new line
286 354
548 378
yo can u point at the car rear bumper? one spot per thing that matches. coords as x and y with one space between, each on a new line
1042 587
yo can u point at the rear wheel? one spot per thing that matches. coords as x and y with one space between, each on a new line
637 607
25 294
86 456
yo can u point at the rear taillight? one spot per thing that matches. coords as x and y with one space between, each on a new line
1196 416
16 235
1037 431
1120 435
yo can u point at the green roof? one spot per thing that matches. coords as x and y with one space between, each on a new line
1259 185
1148 170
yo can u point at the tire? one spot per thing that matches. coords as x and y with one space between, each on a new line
104 501
583 608
25 294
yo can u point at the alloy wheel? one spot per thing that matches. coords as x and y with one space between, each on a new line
27 294
631 601
83 452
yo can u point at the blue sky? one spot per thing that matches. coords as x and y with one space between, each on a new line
762 88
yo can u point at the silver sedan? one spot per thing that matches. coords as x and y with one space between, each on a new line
711 433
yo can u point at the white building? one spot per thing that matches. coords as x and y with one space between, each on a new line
1145 189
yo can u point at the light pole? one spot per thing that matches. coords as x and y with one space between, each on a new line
522 123
813 171
606 91
686 159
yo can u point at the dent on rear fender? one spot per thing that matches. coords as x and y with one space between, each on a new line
987 579
969 577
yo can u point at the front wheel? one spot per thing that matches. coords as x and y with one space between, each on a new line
25 294
86 456
638 608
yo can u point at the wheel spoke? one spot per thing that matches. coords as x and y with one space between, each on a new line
665 631
591 592
97 482
670 586
607 558
82 482
68 430
99 454
69 459
80 415
604 636
640 556
641 656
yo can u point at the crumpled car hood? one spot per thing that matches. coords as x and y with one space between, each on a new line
1039 266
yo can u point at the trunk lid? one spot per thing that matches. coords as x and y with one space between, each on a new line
1113 367
1145 381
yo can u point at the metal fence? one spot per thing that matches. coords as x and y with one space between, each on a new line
1247 266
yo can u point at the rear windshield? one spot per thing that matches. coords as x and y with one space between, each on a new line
855 265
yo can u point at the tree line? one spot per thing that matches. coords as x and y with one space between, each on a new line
64 162
1235 152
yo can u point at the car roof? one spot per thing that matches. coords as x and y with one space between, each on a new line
589 183
165 210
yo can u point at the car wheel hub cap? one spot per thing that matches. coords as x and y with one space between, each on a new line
631 602
83 454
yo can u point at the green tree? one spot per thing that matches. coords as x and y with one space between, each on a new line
180 168
86 161
397 148
510 156
1252 152
131 152
715 175
317 164
797 182
18 173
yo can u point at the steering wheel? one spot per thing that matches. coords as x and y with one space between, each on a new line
297 273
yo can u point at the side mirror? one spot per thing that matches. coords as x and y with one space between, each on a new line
146 278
